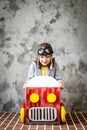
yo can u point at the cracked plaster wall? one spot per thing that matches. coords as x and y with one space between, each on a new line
26 23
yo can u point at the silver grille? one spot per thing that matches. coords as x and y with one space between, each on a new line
42 114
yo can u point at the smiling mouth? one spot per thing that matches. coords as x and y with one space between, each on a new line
45 63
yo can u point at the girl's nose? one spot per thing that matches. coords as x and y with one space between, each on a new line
44 59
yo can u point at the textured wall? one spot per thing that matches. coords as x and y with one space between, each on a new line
26 23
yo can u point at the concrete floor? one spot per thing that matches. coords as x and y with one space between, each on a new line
75 121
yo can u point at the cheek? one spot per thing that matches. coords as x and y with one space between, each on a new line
49 60
41 59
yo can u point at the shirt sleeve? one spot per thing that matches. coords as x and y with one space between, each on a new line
31 72
57 74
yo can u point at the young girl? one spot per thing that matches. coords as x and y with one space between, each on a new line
45 64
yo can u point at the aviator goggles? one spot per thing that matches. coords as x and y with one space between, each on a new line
46 51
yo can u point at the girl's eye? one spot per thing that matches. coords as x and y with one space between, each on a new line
47 56
42 56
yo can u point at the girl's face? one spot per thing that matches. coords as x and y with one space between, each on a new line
45 59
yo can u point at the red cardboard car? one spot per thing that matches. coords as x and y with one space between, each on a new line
42 102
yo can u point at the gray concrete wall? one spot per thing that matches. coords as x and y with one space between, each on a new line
26 23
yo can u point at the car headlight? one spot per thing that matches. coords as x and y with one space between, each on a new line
34 97
51 98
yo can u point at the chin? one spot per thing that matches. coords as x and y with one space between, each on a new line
44 65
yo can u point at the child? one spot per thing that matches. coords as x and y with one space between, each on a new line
45 64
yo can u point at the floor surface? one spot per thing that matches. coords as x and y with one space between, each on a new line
75 121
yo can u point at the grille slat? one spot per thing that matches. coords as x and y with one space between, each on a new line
42 114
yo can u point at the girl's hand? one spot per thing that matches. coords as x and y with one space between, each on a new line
25 84
61 85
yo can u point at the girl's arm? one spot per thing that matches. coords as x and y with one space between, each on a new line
58 76
31 72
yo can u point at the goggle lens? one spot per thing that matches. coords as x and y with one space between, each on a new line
42 51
